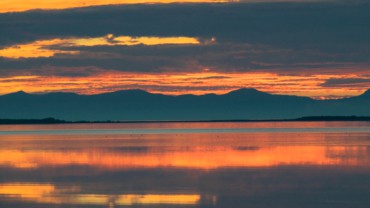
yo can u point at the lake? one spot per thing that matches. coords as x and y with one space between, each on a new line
251 164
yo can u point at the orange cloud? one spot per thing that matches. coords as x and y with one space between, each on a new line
101 81
44 48
21 5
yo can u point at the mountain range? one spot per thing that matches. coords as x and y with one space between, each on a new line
139 105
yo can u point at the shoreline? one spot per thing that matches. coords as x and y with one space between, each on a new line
301 119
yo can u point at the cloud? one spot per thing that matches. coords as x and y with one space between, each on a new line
316 41
216 57
49 48
290 25
347 82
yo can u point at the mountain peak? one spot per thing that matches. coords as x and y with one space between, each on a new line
245 91
366 93
21 92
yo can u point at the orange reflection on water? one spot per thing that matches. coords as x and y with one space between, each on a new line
189 157
157 199
46 48
26 190
49 193
133 199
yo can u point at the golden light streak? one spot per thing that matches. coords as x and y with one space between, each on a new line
150 41
157 199
44 48
33 50
26 190
193 158
48 193
21 5
183 83
135 199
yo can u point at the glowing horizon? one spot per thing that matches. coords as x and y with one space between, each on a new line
178 83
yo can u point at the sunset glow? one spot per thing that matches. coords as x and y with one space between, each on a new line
99 80
180 47
184 103
182 83
20 5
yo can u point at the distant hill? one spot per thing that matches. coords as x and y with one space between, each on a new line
303 119
138 105
32 121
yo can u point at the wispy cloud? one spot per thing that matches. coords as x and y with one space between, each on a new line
49 48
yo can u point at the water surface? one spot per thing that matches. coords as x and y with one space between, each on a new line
274 164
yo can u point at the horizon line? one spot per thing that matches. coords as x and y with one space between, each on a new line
52 120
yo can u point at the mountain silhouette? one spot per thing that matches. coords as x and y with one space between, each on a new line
139 105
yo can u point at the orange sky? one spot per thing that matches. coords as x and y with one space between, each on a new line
181 83
21 5
205 81
188 75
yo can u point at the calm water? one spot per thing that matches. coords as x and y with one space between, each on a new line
287 164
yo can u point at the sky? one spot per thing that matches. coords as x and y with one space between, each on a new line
313 48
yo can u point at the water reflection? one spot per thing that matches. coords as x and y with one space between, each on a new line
189 157
233 169
48 193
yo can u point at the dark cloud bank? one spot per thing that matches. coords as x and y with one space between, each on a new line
279 37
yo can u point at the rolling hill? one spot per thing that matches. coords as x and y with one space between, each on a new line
138 105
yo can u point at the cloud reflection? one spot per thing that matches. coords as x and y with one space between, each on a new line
187 157
49 193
